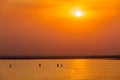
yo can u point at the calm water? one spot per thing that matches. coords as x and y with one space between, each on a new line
72 69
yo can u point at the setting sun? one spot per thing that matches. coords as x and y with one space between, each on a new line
78 13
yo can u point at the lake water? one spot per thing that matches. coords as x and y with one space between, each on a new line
71 69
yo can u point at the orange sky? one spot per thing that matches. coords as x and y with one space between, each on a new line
47 27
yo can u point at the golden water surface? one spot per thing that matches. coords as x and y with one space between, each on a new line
71 69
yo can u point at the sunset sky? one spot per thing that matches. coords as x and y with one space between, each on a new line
50 27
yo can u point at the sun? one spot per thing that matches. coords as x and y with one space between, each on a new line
78 13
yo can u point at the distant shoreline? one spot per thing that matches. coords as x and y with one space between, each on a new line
57 57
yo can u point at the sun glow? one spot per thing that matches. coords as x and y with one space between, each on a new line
78 13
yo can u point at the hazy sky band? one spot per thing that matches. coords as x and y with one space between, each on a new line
43 27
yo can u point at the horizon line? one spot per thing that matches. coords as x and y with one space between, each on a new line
61 57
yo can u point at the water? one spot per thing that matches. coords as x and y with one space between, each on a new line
71 69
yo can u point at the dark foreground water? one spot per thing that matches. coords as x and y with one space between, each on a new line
71 69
